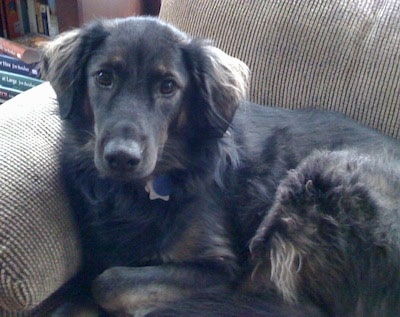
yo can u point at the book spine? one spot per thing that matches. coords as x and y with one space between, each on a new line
3 19
52 20
18 82
3 32
11 48
33 28
14 65
26 54
7 93
45 22
13 23
23 15
39 20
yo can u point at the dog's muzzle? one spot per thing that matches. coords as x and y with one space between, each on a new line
122 156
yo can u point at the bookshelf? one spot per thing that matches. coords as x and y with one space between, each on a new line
19 55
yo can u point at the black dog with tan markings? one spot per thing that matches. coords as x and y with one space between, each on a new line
192 201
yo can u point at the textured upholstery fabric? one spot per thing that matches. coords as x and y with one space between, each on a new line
39 250
340 54
337 54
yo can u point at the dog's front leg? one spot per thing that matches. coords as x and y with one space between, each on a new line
138 290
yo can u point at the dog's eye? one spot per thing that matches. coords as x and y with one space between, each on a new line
104 78
167 87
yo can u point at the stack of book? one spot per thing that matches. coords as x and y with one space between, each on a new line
25 25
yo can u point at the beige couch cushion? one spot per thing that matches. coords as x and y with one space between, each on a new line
341 54
39 250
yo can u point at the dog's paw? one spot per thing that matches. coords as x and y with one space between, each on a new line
281 242
135 291
292 213
308 202
114 290
307 233
292 240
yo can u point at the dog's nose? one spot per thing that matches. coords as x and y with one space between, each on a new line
122 155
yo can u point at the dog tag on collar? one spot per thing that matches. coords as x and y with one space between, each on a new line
159 188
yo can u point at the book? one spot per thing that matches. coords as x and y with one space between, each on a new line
12 19
22 7
39 20
43 16
14 65
7 93
49 18
18 82
25 48
3 20
33 28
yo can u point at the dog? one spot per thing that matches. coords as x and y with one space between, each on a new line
335 222
192 201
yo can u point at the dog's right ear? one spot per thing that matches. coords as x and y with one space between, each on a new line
221 83
64 61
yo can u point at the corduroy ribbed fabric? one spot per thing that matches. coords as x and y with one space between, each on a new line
39 249
342 55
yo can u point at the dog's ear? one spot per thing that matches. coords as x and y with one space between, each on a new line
221 83
63 64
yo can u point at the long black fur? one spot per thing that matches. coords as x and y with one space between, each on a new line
142 100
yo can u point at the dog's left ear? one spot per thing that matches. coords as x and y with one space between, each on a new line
221 83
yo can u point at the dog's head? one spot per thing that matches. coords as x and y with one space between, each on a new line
134 83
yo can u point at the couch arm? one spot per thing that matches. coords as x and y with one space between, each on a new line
39 249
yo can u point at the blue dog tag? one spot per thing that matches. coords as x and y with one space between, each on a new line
162 185
159 187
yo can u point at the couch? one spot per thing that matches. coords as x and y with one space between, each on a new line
342 55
